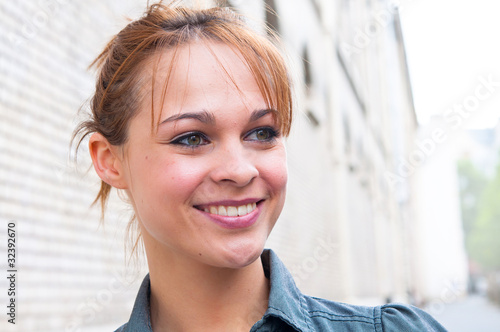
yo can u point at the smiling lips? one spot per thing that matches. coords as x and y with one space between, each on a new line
231 211
232 215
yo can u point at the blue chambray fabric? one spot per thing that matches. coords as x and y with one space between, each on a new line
290 310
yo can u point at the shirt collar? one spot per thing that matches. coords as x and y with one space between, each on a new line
285 300
140 317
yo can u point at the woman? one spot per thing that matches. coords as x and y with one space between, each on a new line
188 118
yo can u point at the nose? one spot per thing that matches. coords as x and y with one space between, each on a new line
234 165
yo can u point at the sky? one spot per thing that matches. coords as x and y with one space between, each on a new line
453 47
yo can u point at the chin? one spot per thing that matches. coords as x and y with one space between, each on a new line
243 255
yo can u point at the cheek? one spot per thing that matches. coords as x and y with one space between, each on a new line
165 180
181 177
165 191
274 171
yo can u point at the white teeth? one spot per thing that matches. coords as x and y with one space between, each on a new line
231 211
242 210
222 211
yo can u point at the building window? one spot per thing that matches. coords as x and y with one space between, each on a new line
306 65
272 21
308 85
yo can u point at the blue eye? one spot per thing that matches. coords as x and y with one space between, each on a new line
191 140
265 134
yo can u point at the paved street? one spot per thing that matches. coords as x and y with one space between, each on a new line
473 314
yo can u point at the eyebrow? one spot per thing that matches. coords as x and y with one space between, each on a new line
256 115
204 117
208 118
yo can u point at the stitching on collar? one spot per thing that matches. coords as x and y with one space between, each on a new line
304 310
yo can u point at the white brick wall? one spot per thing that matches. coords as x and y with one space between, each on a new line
71 271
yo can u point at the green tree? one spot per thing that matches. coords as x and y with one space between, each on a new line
483 238
472 185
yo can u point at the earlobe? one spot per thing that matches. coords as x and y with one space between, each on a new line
107 163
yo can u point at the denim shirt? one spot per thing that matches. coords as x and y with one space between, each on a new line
290 310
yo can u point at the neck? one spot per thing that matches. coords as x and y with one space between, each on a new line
187 295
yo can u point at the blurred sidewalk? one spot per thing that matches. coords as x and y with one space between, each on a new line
472 314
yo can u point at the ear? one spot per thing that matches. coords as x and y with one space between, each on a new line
107 162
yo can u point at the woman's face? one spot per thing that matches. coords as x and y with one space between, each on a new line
209 184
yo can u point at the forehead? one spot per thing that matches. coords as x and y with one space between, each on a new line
200 70
201 60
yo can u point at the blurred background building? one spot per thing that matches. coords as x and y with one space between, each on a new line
367 219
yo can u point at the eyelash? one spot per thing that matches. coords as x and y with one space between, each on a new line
182 140
273 134
179 140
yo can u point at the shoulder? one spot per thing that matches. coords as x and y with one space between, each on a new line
306 313
407 317
328 315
